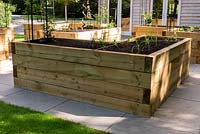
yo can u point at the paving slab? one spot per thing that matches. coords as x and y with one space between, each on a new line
94 116
195 68
188 91
183 113
176 116
6 79
34 100
194 78
132 126
6 72
6 90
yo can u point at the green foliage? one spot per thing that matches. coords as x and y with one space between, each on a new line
6 10
157 8
129 39
102 43
19 4
147 18
174 35
48 28
115 44
111 24
144 43
189 28
136 46
36 7
75 8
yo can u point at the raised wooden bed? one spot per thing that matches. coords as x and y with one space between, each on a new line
6 37
132 83
104 33
148 30
195 51
28 31
110 34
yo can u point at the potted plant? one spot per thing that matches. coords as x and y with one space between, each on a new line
6 31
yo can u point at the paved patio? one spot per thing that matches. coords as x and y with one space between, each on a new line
180 114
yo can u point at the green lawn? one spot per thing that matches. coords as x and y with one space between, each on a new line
19 37
18 120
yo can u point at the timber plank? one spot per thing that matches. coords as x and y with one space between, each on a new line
86 71
86 56
93 86
122 105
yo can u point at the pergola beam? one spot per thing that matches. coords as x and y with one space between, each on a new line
179 13
164 12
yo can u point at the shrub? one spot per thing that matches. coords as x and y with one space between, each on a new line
5 13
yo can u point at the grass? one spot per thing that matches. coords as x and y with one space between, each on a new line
19 37
18 120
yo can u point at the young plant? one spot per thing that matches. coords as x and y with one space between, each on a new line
111 24
48 28
154 39
136 46
102 43
147 18
147 41
115 44
174 37
93 41
129 39
191 28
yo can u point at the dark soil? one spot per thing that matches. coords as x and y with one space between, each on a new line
73 43
144 45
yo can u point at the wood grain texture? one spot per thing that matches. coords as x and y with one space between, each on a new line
122 105
6 37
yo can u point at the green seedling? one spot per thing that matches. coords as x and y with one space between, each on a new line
137 46
174 37
115 43
102 43
129 39
147 42
93 42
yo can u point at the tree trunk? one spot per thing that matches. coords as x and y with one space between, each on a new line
65 12
86 11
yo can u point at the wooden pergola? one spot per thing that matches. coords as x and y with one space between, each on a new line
188 13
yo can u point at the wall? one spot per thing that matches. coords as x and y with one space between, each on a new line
190 13
138 7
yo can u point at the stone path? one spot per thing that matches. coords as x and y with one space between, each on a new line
180 114
18 23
